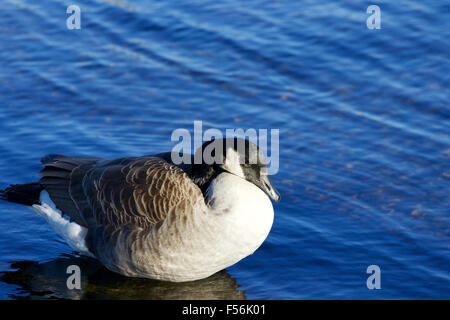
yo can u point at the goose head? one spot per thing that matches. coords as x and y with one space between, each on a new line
236 156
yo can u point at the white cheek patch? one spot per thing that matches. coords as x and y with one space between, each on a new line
232 163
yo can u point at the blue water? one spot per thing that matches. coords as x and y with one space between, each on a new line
363 118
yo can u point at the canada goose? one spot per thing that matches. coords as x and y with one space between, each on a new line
48 280
147 217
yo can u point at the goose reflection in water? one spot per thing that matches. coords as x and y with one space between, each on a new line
49 281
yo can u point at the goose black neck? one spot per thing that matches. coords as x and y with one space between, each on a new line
203 174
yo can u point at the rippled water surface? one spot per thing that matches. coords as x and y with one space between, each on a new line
363 118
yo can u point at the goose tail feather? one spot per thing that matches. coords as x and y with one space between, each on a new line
26 194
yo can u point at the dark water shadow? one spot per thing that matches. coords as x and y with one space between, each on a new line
48 281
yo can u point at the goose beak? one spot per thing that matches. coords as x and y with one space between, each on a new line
265 185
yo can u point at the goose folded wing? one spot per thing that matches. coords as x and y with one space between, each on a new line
136 191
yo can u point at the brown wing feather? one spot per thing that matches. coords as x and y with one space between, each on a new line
56 178
138 191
